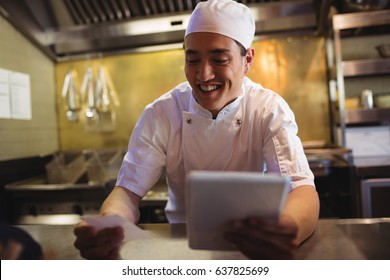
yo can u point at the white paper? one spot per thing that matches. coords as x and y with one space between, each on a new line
368 141
20 96
5 102
131 231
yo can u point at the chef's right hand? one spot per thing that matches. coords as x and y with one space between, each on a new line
94 245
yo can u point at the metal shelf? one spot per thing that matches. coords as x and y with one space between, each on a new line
365 116
340 69
365 67
361 19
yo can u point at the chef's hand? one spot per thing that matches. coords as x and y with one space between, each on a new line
261 238
103 244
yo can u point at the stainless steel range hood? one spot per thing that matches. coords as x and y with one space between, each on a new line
67 28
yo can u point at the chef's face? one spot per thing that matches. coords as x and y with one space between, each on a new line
215 68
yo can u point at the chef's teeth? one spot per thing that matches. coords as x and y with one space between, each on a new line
208 88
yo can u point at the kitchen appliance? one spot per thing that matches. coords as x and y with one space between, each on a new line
373 183
64 28
36 200
370 147
375 195
332 167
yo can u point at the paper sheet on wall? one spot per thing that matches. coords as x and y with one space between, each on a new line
5 102
20 96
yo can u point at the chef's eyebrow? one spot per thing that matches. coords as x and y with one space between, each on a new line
216 51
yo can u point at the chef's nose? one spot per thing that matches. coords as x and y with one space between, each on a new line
205 71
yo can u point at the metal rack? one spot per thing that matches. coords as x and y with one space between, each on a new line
340 69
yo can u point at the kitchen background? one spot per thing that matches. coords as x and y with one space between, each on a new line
294 67
293 64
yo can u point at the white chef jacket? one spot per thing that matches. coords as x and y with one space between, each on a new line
256 132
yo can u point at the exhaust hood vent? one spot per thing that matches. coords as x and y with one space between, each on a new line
69 28
92 12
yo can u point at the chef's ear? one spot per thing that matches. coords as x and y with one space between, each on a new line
250 53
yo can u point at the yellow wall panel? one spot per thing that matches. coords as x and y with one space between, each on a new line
293 67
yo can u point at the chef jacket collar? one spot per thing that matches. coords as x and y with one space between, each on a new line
196 109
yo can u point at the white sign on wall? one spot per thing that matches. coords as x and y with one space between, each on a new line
5 101
15 95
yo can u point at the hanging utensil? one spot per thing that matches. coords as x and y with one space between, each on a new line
71 94
107 97
105 91
88 92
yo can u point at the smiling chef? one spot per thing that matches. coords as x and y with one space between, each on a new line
218 120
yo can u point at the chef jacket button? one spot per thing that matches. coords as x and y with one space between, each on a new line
189 121
238 121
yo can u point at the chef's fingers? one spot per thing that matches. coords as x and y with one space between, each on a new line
259 249
11 250
114 234
283 225
84 230
101 245
278 241
279 236
104 251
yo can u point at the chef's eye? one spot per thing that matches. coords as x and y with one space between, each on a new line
192 61
221 61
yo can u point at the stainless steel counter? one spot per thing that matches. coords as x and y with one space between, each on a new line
372 167
334 239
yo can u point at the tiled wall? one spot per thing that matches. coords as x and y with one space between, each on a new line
23 138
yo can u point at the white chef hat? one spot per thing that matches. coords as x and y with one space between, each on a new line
226 17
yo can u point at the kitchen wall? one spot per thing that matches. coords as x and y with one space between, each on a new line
294 67
24 138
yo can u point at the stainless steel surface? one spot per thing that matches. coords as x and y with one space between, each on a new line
344 69
355 68
40 185
334 239
65 28
364 116
362 19
35 201
372 167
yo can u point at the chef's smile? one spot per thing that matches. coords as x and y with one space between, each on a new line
208 88
215 68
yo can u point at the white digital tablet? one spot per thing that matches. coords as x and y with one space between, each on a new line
213 198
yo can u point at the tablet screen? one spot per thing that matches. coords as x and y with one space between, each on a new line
213 198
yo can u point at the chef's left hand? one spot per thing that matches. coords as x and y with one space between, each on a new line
262 238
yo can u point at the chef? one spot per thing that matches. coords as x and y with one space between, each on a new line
218 120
